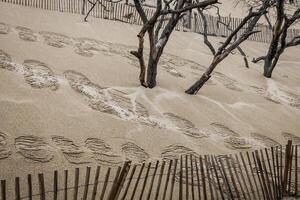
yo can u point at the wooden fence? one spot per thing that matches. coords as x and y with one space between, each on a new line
270 173
127 13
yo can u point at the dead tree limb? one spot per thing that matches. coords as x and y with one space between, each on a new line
230 44
93 6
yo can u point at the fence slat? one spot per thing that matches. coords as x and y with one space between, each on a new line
173 179
192 176
42 186
17 188
55 185
105 183
66 185
86 184
186 178
76 182
152 180
167 179
137 181
145 181
29 182
159 180
129 182
296 170
96 181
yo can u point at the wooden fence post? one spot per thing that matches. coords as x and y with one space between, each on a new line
288 162
17 188
42 187
66 185
55 185
29 181
3 190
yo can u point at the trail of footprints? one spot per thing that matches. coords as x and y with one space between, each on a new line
39 149
88 47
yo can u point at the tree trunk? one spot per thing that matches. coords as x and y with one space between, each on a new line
205 77
152 68
196 87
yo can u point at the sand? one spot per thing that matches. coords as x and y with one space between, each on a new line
70 96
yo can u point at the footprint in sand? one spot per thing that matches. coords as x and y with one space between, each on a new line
55 39
4 28
289 136
265 140
134 152
108 100
102 152
5 151
26 34
228 82
237 143
72 152
34 148
262 92
223 130
86 46
39 75
173 71
185 126
6 61
174 151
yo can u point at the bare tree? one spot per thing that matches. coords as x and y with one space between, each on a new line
232 42
159 35
279 40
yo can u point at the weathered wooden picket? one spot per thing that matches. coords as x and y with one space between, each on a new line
127 13
270 173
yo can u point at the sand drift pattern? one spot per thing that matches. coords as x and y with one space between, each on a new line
5 151
72 152
102 152
134 152
34 148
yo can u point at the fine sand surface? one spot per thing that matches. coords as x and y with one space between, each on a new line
70 96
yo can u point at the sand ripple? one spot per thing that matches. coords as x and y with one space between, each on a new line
265 140
174 151
5 151
102 152
134 152
72 152
185 126
223 130
34 148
